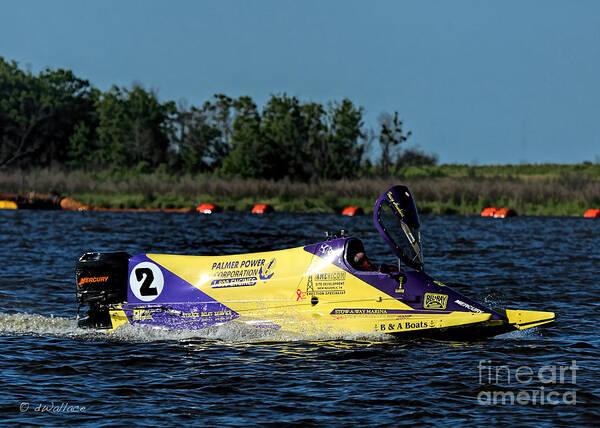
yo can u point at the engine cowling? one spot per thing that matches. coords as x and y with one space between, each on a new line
101 280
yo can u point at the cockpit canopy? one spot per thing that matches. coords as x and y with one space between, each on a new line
397 221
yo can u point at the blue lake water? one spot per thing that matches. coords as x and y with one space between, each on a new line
53 373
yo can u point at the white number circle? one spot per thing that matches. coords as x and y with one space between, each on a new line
146 281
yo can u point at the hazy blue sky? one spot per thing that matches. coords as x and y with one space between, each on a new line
476 81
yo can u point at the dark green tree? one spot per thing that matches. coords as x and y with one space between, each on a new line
317 139
151 124
114 128
219 114
295 141
248 157
345 146
133 127
82 144
38 114
283 130
56 118
415 157
391 136
197 140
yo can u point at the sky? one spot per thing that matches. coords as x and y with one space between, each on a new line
477 82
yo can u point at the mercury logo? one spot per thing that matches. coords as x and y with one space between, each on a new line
92 279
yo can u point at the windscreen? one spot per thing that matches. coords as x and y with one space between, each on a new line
397 220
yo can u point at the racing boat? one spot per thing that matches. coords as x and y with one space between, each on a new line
327 287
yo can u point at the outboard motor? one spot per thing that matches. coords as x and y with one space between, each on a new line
101 281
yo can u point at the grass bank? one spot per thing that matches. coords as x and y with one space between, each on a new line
444 189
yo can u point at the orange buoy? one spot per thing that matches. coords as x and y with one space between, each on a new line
73 205
488 212
504 212
353 211
592 213
262 209
208 208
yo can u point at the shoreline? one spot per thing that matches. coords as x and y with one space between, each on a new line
562 190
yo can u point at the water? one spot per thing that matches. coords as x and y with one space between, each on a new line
240 376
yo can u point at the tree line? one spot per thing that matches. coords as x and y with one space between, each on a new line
55 118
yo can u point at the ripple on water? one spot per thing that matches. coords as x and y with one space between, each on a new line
237 375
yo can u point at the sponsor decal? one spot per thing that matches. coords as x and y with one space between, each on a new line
395 204
146 281
86 280
241 273
406 325
234 282
368 312
325 249
146 314
326 283
327 252
269 270
184 316
330 276
190 315
469 307
141 314
359 312
439 283
301 295
435 301
217 314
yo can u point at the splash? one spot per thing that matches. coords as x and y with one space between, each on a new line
529 333
493 300
26 324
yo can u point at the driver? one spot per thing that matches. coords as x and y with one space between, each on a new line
362 262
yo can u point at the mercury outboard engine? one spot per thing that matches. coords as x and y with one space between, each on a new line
101 281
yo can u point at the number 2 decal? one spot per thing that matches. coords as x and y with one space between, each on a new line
146 276
146 281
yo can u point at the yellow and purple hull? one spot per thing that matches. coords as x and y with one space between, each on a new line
311 289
